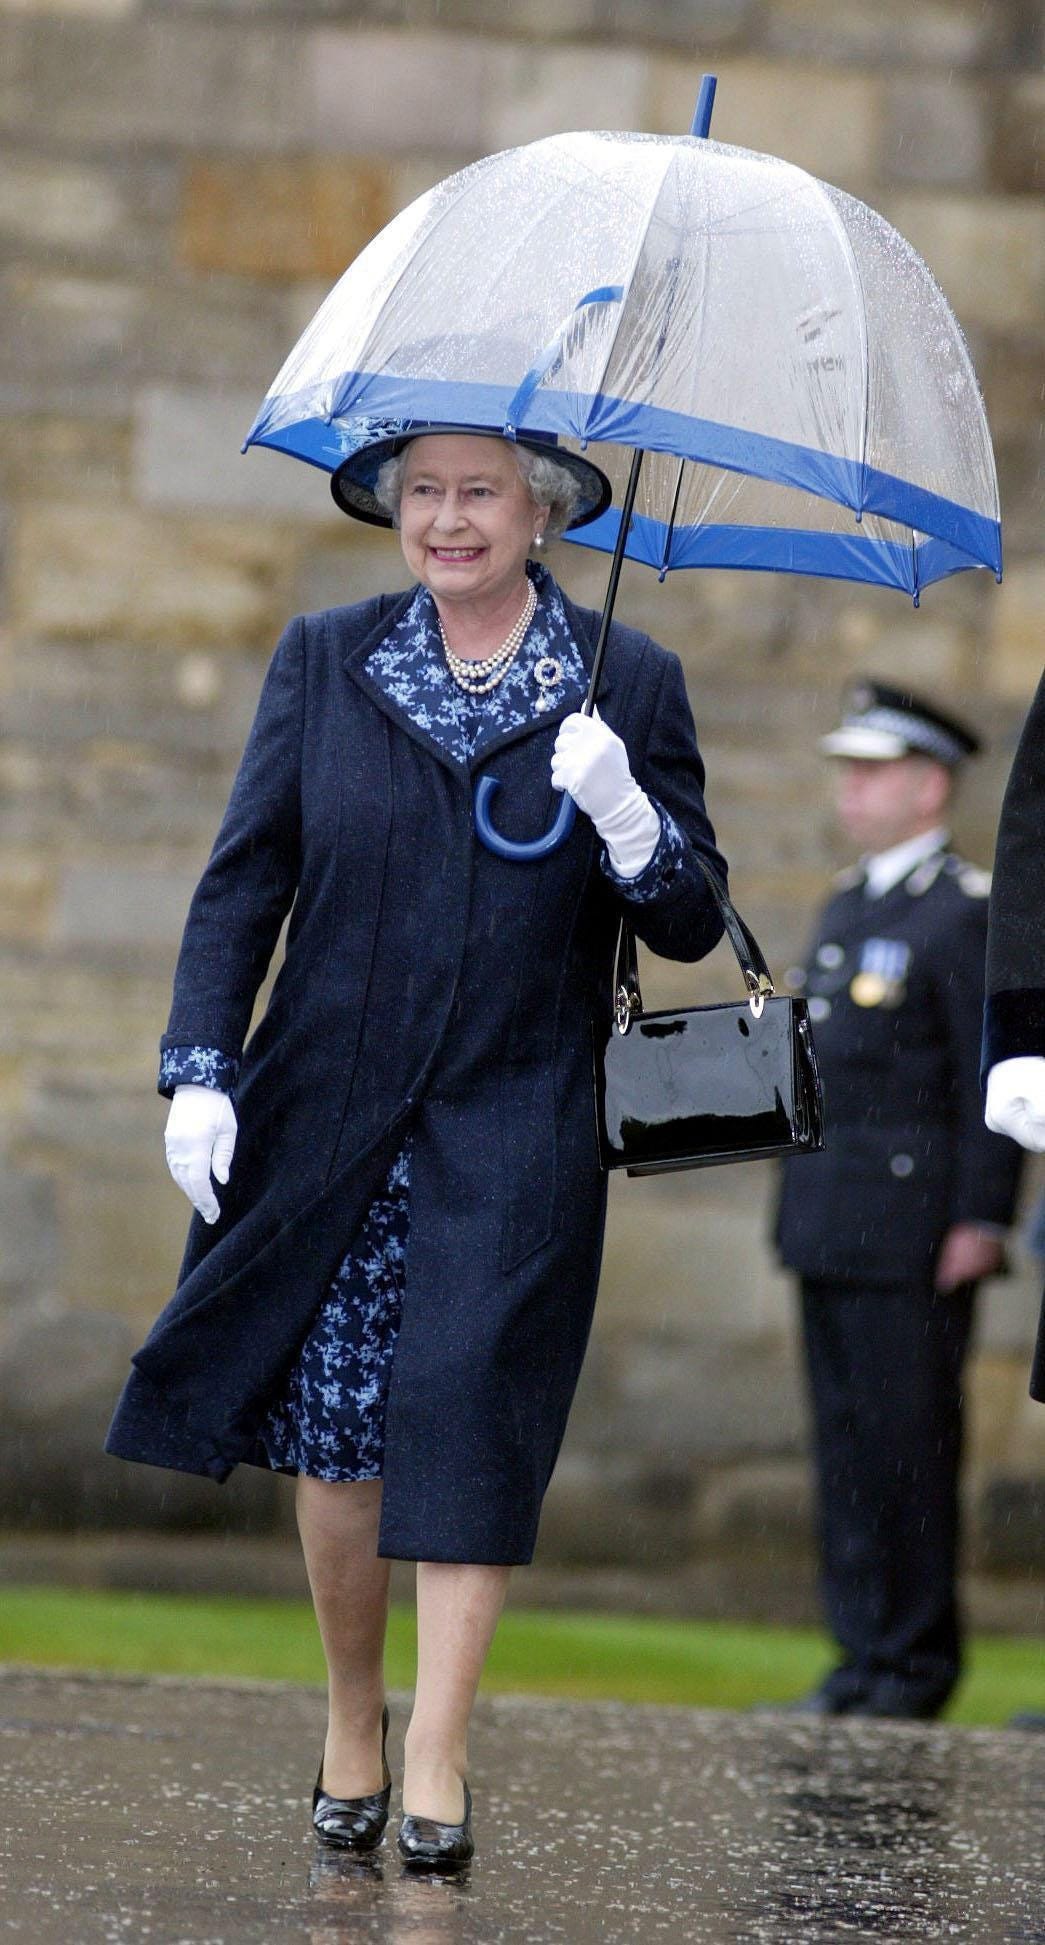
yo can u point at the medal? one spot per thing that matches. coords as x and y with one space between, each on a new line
880 979
868 989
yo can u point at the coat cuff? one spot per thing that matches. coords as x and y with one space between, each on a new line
1013 1026
197 1067
661 871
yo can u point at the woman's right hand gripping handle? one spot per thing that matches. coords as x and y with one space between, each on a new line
199 1139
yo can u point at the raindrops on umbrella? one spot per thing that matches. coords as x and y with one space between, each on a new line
782 359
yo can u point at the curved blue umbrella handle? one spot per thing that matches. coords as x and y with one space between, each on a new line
506 847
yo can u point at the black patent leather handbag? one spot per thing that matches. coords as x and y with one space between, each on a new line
709 1084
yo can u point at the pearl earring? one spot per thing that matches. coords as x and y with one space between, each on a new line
538 538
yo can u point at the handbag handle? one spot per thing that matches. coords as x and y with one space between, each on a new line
627 995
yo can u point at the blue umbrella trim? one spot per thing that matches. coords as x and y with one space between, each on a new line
366 401
780 550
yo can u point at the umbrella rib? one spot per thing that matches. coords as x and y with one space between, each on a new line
295 359
669 535
629 279
669 532
444 215
854 271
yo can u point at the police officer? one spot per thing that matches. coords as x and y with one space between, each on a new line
891 1229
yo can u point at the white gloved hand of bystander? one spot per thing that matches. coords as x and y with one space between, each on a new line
199 1139
591 762
1016 1100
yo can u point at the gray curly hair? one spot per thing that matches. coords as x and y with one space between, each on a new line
550 485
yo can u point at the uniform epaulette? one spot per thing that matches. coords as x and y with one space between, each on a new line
968 877
974 882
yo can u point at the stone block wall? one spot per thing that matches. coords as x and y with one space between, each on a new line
180 181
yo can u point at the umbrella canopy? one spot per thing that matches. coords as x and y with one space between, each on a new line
699 302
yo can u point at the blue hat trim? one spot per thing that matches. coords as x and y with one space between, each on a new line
353 483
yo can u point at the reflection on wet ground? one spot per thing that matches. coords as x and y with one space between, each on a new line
173 1811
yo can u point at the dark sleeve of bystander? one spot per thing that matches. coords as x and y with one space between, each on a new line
1014 1018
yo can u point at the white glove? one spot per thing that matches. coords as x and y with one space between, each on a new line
1016 1100
592 764
199 1139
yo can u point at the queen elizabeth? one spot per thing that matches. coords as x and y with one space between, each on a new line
391 1270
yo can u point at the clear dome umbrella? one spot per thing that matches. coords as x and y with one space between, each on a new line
770 373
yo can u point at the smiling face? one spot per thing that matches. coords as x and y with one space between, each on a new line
466 519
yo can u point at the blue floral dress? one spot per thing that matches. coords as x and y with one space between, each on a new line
328 1420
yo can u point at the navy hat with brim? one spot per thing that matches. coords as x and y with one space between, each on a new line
354 482
880 723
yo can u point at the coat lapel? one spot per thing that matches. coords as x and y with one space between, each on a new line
583 625
354 662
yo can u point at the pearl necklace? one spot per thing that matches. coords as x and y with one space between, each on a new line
477 677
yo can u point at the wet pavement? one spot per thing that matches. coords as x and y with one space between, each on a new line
177 1811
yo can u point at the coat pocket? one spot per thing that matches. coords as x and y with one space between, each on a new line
528 1151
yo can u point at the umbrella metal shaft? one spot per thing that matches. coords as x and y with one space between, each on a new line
616 564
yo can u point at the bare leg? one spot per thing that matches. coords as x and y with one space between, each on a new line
457 1611
338 1526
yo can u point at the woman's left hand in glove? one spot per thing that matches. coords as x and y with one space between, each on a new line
591 762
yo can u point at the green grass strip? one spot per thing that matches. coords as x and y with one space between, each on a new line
709 1664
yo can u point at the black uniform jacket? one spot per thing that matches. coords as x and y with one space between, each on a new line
895 986
426 984
1014 1016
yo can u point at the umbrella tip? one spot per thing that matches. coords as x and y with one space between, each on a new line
705 104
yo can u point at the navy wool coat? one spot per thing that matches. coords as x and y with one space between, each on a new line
428 986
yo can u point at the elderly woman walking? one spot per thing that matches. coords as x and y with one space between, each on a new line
390 1293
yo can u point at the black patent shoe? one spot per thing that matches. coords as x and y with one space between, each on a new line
353 1822
425 1845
